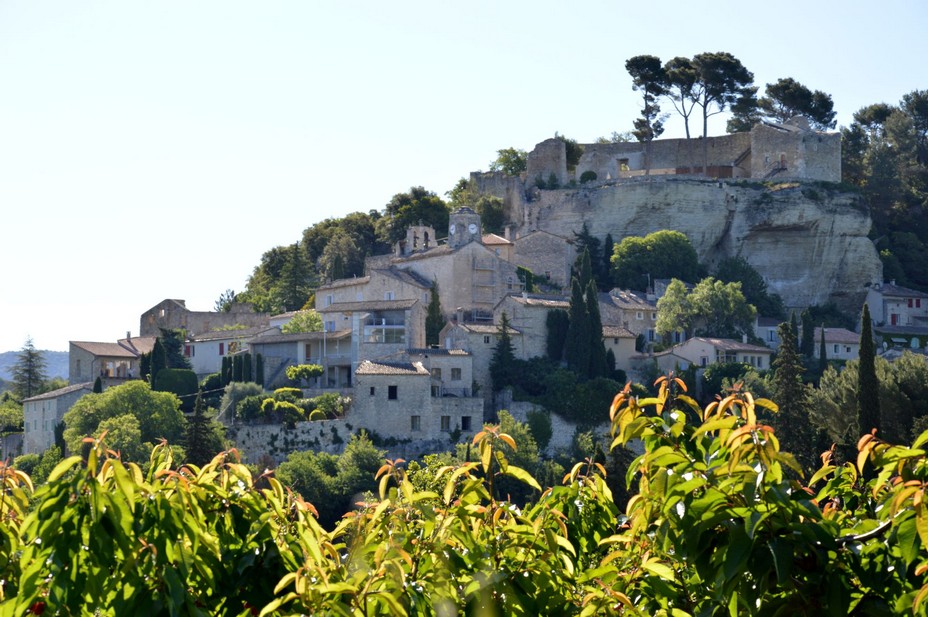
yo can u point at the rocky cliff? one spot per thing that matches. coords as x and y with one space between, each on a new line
808 240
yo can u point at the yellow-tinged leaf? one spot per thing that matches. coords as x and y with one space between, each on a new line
767 404
862 458
62 467
509 440
919 598
486 457
921 523
523 476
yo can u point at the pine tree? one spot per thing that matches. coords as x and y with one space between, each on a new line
434 321
792 422
28 372
597 367
868 386
807 343
504 355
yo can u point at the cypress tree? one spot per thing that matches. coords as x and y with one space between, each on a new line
237 368
792 422
557 323
868 386
225 372
504 356
159 360
197 436
259 369
793 326
597 347
577 350
605 283
246 367
807 344
145 366
434 321
98 385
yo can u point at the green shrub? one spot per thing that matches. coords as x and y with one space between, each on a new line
181 382
316 415
331 404
291 395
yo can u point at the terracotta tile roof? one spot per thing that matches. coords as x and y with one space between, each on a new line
60 392
617 332
108 350
837 335
372 305
433 252
139 344
730 344
366 367
628 300
480 328
493 240
551 302
360 280
406 276
890 289
438 351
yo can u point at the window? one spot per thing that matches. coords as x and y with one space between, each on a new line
330 326
508 281
373 390
653 316
388 295
847 349
329 299
639 315
704 361
392 392
415 423
465 423
615 341
436 374
446 423
918 302
222 349
486 340
771 336
188 351
651 335
911 302
455 374
836 348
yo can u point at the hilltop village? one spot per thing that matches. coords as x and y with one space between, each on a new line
372 349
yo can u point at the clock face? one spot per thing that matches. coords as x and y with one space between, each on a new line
472 228
451 229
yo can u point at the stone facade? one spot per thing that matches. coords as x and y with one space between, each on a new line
547 158
528 313
44 412
114 363
547 255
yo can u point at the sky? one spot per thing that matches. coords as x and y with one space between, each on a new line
153 150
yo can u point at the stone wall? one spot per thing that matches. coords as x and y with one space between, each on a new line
788 152
562 431
276 441
546 254
548 157
173 314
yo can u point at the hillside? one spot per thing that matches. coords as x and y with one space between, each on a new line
56 364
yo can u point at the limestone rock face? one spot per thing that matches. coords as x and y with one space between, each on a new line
808 240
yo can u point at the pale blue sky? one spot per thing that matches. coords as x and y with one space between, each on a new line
153 150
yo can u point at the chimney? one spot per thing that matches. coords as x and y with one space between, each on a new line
892 282
459 315
507 231
744 339
128 334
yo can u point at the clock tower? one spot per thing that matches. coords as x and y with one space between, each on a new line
463 227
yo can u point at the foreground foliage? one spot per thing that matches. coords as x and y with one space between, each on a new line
722 523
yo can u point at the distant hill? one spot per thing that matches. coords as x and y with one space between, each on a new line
56 364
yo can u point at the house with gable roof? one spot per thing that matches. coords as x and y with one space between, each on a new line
114 363
44 412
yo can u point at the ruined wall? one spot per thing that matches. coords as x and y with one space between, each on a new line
173 314
550 156
276 441
808 242
800 153
664 154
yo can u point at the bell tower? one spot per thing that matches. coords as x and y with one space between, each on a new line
463 227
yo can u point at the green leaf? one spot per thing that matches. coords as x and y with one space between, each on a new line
782 551
659 569
523 476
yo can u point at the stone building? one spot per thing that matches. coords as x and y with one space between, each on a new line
42 413
330 350
396 400
114 363
547 255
